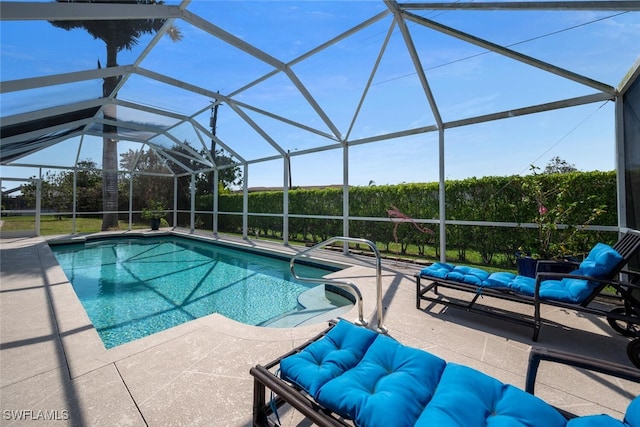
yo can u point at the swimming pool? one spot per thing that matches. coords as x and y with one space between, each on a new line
132 288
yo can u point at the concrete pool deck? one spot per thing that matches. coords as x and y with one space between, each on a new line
54 369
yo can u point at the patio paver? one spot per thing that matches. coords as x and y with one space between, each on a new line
52 362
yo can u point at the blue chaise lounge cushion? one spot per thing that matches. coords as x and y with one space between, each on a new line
341 349
376 381
437 269
568 289
600 261
468 398
389 387
460 273
468 274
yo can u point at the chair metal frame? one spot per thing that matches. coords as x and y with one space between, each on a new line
627 246
270 392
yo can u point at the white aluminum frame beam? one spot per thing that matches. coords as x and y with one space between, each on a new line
283 119
545 66
264 57
147 109
258 129
53 111
556 105
630 77
54 11
365 91
218 141
65 78
417 64
615 5
41 146
211 94
39 132
323 46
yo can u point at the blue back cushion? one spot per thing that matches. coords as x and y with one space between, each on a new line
602 259
341 349
468 398
389 387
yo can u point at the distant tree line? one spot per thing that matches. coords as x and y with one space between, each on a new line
147 189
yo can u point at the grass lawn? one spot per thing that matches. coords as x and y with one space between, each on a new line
51 225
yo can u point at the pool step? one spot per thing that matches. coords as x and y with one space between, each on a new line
318 305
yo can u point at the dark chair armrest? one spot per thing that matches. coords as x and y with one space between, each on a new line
556 266
537 354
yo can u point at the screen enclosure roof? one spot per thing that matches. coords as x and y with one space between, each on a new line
260 81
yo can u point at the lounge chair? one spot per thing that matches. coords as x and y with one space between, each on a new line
350 375
575 290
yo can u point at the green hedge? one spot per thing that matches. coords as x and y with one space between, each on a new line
573 197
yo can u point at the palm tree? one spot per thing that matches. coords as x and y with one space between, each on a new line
117 35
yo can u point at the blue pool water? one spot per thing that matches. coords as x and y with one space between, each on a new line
136 287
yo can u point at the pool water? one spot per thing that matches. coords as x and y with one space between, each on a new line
132 288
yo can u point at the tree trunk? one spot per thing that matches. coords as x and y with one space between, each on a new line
110 152
109 184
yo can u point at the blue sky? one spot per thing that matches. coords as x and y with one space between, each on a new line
465 80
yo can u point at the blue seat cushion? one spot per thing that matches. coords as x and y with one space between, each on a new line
566 289
437 269
500 279
523 284
468 398
460 273
468 274
341 349
389 387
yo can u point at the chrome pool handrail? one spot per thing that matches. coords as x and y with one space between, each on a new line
349 285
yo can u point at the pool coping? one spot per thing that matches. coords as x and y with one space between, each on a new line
83 347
